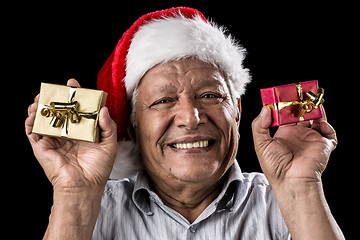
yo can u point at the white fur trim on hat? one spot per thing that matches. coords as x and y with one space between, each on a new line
127 161
177 37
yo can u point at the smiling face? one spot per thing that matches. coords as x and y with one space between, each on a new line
186 123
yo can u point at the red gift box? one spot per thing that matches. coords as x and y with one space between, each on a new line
293 103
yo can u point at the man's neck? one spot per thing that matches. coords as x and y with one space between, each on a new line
191 200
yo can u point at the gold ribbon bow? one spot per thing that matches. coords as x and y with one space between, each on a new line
62 113
312 102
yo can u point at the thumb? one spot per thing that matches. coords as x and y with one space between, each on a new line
260 128
73 83
328 132
107 126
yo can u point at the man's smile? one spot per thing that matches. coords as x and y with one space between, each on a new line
199 144
193 142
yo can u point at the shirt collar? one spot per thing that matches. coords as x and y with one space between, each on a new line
142 195
227 197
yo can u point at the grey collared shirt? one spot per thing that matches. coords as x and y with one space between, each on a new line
246 208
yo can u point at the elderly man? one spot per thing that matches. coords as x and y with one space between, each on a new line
182 79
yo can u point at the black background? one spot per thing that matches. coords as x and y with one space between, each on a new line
286 43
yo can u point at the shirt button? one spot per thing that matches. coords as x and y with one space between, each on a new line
152 198
192 229
149 213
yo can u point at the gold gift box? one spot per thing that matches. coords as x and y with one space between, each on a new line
69 112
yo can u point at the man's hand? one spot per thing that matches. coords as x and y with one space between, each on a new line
297 152
293 161
70 164
78 172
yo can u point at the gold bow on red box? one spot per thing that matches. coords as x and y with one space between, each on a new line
305 105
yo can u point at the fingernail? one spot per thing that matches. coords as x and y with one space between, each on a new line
263 110
107 111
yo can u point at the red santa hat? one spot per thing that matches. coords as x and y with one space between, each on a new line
156 38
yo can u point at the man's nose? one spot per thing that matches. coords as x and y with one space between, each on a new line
188 115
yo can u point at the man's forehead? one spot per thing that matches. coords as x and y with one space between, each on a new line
170 75
185 66
170 86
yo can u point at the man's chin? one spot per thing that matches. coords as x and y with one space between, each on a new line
193 171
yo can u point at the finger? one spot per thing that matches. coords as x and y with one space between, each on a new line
36 99
266 118
328 131
73 83
316 123
107 126
108 137
305 123
260 128
322 109
29 122
32 108
323 118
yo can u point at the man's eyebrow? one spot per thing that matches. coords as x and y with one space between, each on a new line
168 87
200 83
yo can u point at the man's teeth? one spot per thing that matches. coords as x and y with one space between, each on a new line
200 144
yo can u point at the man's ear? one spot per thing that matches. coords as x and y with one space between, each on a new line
239 111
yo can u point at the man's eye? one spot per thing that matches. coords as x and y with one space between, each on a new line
161 101
212 98
209 95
